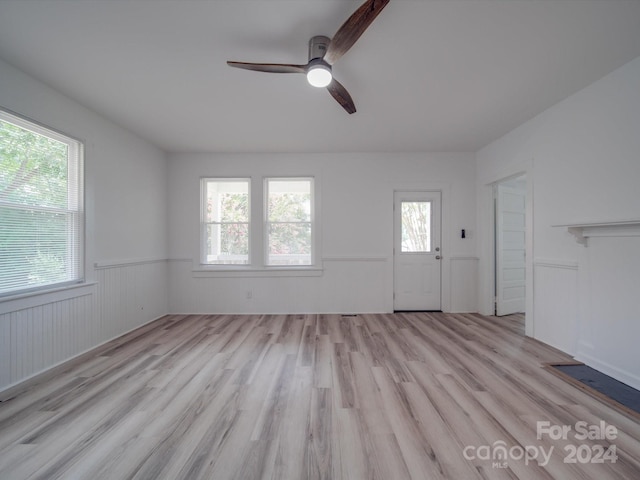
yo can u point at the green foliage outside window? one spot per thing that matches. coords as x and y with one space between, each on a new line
290 227
33 191
234 229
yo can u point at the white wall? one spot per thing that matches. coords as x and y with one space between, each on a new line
126 239
582 158
356 200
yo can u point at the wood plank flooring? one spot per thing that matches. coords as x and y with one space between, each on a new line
390 397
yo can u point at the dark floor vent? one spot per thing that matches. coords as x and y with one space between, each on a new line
603 386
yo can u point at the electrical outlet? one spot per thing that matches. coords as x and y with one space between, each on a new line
249 294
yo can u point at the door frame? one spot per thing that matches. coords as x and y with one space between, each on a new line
445 215
421 195
499 241
486 247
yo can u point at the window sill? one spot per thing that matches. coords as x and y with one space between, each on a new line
36 298
249 272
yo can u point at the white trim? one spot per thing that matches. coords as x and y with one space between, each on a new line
620 228
126 263
257 273
247 271
23 301
486 239
355 258
611 223
315 234
554 263
203 223
28 123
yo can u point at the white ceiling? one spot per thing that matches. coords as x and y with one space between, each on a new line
428 75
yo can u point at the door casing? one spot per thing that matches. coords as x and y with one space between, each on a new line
418 275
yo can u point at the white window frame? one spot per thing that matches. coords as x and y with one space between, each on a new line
204 223
267 222
75 193
258 227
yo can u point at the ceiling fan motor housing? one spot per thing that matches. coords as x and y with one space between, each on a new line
318 46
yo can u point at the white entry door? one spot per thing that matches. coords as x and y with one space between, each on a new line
510 247
417 251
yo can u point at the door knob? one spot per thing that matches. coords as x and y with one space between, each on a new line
438 257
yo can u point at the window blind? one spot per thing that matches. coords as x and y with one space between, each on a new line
41 207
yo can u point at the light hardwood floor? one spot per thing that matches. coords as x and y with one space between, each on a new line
390 397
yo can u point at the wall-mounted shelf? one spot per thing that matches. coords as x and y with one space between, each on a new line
620 228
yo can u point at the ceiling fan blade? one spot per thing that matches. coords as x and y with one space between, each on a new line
341 95
269 67
353 28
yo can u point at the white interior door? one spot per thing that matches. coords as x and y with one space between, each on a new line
417 251
510 247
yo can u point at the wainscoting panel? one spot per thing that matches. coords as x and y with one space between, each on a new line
555 287
464 281
610 304
345 284
130 295
36 336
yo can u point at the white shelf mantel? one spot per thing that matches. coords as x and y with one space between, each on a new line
620 228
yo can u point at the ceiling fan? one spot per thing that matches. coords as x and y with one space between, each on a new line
324 52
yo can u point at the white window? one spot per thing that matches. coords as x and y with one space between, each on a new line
289 225
231 234
226 221
41 207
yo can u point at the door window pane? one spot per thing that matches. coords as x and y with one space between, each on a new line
416 227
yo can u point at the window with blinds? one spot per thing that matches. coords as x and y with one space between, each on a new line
41 207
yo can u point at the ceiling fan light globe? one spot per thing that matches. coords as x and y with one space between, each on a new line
319 76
